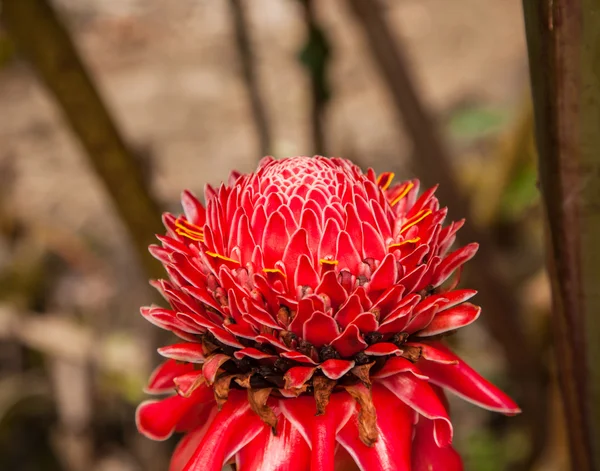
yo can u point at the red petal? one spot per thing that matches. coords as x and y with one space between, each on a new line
310 223
191 352
373 244
335 369
382 349
465 382
392 450
451 319
275 239
332 288
327 247
418 394
296 247
320 329
299 357
350 342
319 431
305 274
346 253
212 365
161 379
452 262
385 275
159 419
396 365
298 375
231 430
188 445
366 322
252 353
427 456
193 209
349 311
433 354
286 450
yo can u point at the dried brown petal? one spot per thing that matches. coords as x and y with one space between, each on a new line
323 387
362 373
208 347
258 402
411 353
367 416
221 389
297 391
244 380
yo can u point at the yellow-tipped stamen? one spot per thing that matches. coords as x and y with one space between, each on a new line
329 262
415 219
222 257
409 186
189 230
388 176
274 270
407 241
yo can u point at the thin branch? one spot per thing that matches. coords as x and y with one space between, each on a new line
243 41
315 58
564 49
433 162
39 34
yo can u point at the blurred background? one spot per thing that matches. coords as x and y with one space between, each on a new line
436 89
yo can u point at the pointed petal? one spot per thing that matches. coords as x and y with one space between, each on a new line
385 275
210 368
392 450
346 253
161 379
159 419
190 352
320 329
451 319
232 428
319 431
296 376
286 450
349 342
383 349
421 397
465 382
335 369
452 262
427 456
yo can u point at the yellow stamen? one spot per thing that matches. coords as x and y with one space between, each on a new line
415 219
274 270
409 186
329 262
407 241
222 257
189 230
388 176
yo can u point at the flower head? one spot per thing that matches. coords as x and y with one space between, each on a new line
310 299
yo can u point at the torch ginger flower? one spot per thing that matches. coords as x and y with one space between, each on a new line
310 299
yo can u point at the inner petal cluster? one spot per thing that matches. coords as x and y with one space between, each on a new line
307 269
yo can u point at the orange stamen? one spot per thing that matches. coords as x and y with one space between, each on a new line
222 257
386 178
329 262
189 230
415 219
407 241
409 186
274 270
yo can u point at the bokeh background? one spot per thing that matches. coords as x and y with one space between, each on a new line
200 87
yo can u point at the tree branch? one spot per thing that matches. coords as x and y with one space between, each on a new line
564 48
41 36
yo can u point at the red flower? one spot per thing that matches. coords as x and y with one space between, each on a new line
310 299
